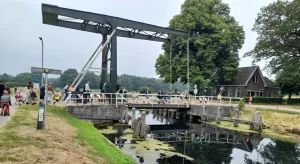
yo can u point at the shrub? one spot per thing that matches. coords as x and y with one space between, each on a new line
241 105
293 101
265 100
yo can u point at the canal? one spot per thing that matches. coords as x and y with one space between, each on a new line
181 142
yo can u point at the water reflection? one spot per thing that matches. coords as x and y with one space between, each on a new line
206 144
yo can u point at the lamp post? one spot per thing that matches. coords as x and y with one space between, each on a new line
42 51
188 60
188 64
171 66
42 81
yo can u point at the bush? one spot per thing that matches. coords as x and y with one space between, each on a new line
265 100
241 105
293 101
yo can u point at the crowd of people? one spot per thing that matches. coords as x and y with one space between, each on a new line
29 94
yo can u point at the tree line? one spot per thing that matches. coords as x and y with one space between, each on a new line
130 82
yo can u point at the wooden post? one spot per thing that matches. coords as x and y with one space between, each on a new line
203 117
256 123
236 117
218 117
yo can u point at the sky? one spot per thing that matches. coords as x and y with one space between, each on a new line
21 26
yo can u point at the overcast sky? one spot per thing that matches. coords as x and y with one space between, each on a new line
21 25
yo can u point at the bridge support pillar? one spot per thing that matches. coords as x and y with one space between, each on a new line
113 64
218 117
177 115
140 128
204 117
104 65
165 113
184 116
191 118
132 116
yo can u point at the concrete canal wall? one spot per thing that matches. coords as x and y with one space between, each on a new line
99 112
212 110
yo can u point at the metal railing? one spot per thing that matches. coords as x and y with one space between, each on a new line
93 98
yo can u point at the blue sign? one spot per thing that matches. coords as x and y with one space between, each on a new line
36 79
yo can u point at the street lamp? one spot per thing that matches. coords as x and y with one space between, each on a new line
42 51
188 60
171 66
188 64
42 81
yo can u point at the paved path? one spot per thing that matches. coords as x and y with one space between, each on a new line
276 107
4 119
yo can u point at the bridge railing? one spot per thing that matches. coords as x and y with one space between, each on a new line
136 98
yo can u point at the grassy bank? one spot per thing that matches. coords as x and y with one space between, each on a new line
65 140
279 124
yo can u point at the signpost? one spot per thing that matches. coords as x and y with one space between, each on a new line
43 104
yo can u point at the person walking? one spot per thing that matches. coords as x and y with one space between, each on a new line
2 87
5 103
66 94
86 94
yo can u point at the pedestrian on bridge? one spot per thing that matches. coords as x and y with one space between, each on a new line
86 94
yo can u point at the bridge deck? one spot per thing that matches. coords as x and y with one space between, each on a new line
159 106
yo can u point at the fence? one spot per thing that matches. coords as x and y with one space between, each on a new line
88 98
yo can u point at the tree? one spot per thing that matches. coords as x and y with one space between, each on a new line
288 79
93 79
213 51
22 79
277 26
67 77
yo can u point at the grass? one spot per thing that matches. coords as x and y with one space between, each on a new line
275 119
279 124
90 135
229 125
65 140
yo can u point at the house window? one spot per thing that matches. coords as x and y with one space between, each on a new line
254 79
238 92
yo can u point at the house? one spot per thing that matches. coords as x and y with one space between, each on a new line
249 81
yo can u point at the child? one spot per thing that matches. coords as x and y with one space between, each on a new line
5 102
18 96
56 98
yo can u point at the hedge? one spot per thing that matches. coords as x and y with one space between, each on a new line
293 101
265 100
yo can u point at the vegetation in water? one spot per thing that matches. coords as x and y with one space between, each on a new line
108 130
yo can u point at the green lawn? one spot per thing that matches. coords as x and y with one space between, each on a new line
65 140
89 134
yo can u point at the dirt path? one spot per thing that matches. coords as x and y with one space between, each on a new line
276 107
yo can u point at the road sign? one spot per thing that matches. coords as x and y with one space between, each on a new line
36 79
46 70
41 121
41 117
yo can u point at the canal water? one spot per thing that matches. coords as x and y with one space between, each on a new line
178 142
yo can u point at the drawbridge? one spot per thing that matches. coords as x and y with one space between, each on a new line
110 28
